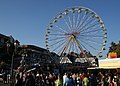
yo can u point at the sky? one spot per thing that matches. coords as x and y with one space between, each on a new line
27 20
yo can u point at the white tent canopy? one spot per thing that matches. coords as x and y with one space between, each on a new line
81 60
65 60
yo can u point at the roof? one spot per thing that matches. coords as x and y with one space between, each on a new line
101 68
3 36
33 47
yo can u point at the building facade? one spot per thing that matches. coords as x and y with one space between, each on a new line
35 56
32 54
3 47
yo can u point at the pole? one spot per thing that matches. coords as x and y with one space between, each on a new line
12 63
12 68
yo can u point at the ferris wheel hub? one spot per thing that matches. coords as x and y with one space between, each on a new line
73 33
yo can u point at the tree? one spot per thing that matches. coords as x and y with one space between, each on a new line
113 47
118 49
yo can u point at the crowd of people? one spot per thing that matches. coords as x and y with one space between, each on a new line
68 79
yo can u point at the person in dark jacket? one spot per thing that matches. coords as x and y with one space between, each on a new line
30 81
69 81
93 80
18 81
4 77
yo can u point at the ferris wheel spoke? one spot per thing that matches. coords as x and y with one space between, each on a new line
88 18
91 27
92 36
61 49
55 43
74 49
57 34
73 19
79 46
56 31
78 17
70 22
92 41
58 46
82 20
100 43
68 25
83 45
92 31
77 49
58 38
88 23
61 28
89 45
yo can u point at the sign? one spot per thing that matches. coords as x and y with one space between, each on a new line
112 55
109 63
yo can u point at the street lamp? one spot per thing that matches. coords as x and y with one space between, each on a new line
15 46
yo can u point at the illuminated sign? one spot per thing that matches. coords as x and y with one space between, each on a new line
109 63
112 55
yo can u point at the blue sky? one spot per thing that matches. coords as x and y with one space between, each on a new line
27 20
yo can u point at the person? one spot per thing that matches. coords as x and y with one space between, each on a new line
93 80
85 80
37 79
100 79
79 80
4 77
18 81
74 76
69 81
64 78
30 81
96 61
118 83
82 76
58 82
51 79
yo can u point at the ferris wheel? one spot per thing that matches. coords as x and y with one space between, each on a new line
76 29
